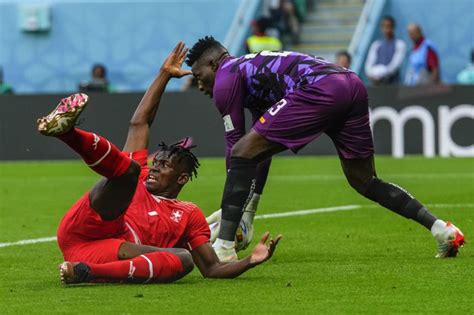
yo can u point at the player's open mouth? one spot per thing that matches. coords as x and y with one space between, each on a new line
151 179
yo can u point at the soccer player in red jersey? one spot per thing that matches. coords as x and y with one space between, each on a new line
130 227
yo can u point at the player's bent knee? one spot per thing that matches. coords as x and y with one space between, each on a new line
360 185
248 147
240 152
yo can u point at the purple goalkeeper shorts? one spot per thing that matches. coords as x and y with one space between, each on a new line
336 105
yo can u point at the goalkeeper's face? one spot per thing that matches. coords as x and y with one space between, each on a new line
205 73
166 176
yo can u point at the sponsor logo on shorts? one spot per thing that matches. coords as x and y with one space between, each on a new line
176 215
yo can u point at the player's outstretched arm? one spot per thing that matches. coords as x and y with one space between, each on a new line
206 259
139 129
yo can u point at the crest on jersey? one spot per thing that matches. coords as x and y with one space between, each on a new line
176 215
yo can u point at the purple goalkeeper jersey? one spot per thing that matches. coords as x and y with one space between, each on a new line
258 81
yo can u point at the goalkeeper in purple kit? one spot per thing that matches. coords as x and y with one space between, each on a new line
294 98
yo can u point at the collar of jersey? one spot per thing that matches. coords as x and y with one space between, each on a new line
160 197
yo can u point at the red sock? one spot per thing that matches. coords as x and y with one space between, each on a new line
98 153
155 267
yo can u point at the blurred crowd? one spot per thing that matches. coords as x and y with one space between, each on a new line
4 87
387 55
279 26
284 18
98 82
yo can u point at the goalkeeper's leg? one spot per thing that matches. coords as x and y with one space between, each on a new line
239 187
249 211
248 217
361 175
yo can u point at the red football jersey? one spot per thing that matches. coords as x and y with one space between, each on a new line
163 222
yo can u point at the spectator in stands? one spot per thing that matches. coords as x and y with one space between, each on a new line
385 55
271 10
343 59
466 76
291 19
285 16
4 88
99 82
423 62
260 40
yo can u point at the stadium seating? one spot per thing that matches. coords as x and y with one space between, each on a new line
329 28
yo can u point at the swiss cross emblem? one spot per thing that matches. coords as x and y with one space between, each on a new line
176 215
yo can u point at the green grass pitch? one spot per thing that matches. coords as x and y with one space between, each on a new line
366 260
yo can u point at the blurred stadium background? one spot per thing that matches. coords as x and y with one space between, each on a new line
47 51
49 48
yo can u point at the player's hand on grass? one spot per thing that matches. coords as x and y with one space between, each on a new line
174 61
263 251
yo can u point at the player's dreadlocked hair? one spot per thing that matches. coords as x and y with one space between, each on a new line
182 151
200 47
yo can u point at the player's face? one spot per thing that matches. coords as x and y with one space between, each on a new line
205 74
165 177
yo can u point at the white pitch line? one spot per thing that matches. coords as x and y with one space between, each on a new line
306 212
262 216
26 242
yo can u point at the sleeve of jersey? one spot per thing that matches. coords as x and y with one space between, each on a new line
371 59
198 230
141 157
228 97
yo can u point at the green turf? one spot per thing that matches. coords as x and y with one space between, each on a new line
366 260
